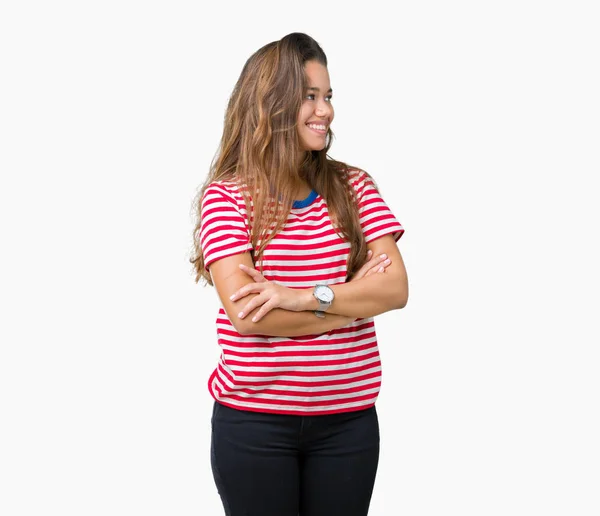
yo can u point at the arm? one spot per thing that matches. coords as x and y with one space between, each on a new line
362 297
229 278
372 295
284 323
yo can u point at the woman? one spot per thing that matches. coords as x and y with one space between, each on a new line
302 252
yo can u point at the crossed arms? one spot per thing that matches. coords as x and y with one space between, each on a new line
285 312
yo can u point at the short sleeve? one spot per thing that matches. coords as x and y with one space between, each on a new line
224 229
376 218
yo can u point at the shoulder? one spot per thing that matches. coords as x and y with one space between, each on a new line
223 190
223 199
359 179
223 187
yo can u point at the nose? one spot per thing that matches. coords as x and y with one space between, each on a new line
323 109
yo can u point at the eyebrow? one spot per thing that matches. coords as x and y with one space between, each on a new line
317 89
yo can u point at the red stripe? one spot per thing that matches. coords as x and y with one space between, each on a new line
297 403
299 383
304 394
309 374
339 338
307 363
266 409
309 353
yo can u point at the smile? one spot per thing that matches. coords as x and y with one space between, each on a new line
319 129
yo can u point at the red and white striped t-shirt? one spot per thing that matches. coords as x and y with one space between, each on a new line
337 371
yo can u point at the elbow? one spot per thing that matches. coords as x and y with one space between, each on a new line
399 302
400 297
403 302
240 326
244 328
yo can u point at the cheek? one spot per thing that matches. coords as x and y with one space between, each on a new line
304 115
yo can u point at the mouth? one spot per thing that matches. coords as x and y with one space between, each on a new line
318 128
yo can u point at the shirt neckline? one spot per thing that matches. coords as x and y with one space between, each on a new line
306 202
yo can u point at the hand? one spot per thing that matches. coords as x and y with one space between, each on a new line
271 295
372 266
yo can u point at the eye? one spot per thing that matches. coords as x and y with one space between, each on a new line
312 95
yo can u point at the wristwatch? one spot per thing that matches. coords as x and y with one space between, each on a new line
324 295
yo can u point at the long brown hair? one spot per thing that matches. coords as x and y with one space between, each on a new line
260 150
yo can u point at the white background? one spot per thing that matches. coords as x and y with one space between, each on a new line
480 123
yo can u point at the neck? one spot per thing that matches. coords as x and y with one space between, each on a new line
302 191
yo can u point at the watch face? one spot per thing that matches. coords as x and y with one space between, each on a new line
324 293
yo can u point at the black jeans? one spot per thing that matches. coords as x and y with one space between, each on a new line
287 465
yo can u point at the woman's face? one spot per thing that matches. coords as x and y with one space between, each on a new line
316 112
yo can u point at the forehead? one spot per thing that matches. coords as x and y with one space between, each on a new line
317 74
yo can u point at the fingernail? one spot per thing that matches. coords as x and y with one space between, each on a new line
231 296
241 314
387 261
383 256
369 252
254 319
380 269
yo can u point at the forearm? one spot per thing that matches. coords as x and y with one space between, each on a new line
285 323
365 297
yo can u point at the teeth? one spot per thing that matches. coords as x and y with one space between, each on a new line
318 127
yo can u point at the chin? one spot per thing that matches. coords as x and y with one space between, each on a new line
313 149
313 146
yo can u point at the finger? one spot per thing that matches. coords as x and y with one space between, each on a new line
250 288
372 265
379 258
256 276
264 310
379 261
374 270
380 267
366 268
252 305
376 260
371 261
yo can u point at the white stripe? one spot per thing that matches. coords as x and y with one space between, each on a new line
307 397
304 244
272 341
237 370
294 378
232 249
309 261
213 221
302 274
360 340
300 252
300 359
